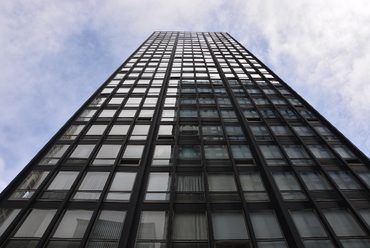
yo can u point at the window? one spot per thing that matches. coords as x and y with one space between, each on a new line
91 186
315 181
269 114
254 190
60 185
307 223
303 131
212 133
163 155
36 223
82 151
106 114
132 155
241 152
280 130
208 113
320 151
187 113
365 175
272 154
118 131
107 155
234 133
127 114
222 187
6 218
307 114
158 187
188 131
133 102
107 229
344 180
121 187
251 114
288 186
260 133
152 229
265 225
189 187
53 156
325 132
72 132
95 130
166 132
189 227
189 152
216 152
295 152
229 229
228 115
344 152
86 115
343 222
288 114
73 225
29 185
140 132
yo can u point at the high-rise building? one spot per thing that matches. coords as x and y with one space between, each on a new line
192 142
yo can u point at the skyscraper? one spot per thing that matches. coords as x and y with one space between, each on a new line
192 142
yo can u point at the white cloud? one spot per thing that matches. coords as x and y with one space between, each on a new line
55 54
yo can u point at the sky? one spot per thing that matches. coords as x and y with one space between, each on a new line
55 54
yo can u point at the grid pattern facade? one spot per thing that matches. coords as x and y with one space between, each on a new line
192 142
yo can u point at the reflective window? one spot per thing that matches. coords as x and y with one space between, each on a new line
72 132
6 218
152 229
82 151
212 133
241 152
36 223
303 131
91 186
208 113
229 225
158 187
107 155
189 152
344 180
107 229
60 185
320 151
29 185
315 181
295 151
189 227
280 130
343 151
72 225
140 132
288 186
253 187
260 133
189 187
56 152
265 225
307 223
234 133
222 187
216 152
343 222
121 187
96 130
163 155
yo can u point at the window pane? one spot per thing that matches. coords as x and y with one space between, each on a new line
63 180
315 181
318 244
108 225
320 151
344 180
133 151
221 182
119 130
343 222
82 151
265 225
29 185
307 223
270 151
94 181
229 226
36 223
343 151
153 225
158 186
108 151
121 186
216 152
73 224
96 129
189 226
6 218
241 152
295 151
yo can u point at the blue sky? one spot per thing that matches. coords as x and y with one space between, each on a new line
54 54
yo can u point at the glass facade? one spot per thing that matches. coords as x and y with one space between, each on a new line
192 142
